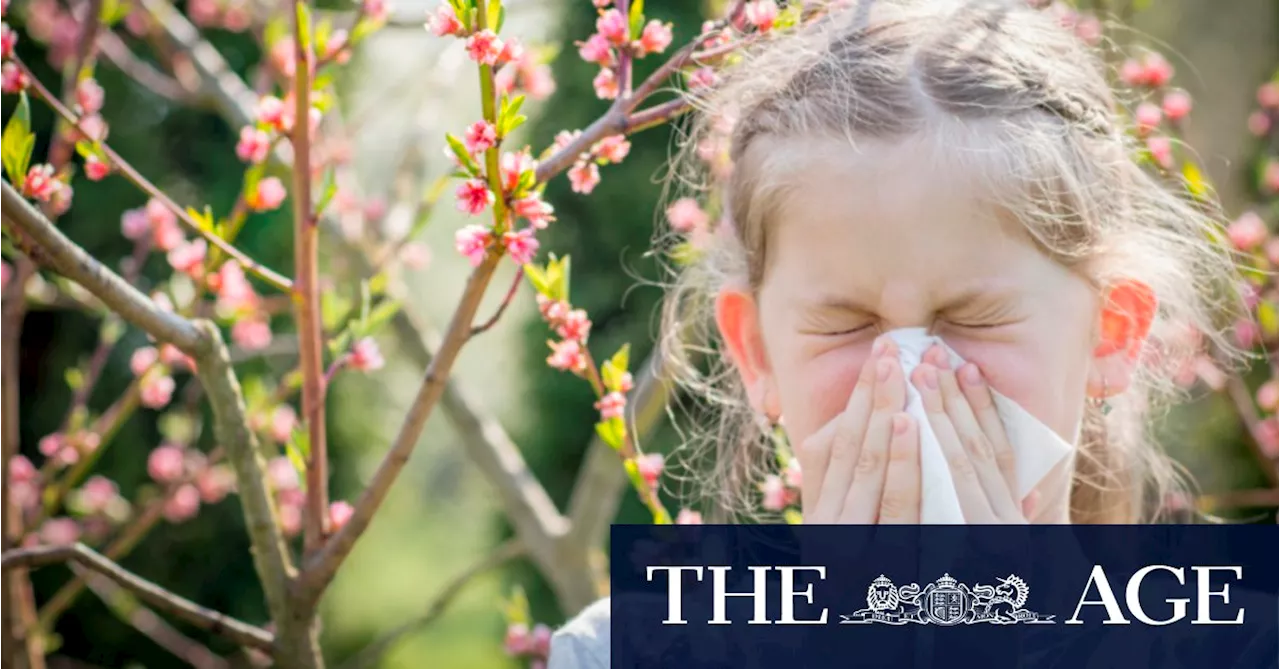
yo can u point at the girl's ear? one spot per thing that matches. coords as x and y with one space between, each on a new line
738 318
1128 309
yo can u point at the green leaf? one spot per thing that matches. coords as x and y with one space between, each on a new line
494 15
75 378
303 17
788 17
622 358
538 277
297 458
385 311
378 283
558 278
613 432
460 150
252 176
516 608
1268 319
1195 181
793 517
333 308
203 219
513 122
612 371
338 345
327 191
276 30
18 142
637 18
324 30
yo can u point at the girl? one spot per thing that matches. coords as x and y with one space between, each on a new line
956 166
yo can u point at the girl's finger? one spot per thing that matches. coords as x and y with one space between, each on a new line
862 502
837 456
1000 495
973 500
813 453
984 409
900 502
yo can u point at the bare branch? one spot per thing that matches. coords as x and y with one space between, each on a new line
73 262
203 618
142 72
367 657
506 301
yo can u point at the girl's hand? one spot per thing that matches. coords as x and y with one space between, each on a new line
863 466
964 419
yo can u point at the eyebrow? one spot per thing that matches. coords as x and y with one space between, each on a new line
962 297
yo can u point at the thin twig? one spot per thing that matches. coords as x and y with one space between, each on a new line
130 611
73 262
203 618
369 655
142 72
511 293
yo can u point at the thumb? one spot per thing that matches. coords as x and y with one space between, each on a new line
1030 504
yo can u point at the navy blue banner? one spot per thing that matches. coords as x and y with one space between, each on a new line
1175 596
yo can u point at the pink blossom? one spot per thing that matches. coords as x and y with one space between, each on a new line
535 210
574 325
484 47
1148 117
685 215
473 196
688 517
1176 105
512 166
282 474
59 532
583 177
613 148
1161 149
567 356
335 49
251 334
365 355
174 357
564 138
553 311
236 18
611 405
655 38
189 258
1269 95
291 519
649 466
269 195
1156 70
203 13
157 390
1268 396
792 474
416 255
40 183
605 84
8 40
1132 72
1267 433
613 26
12 79
1259 123
444 22
703 77
1271 178
142 360
235 293
6 273
472 242
339 513
1089 29
1248 231
776 495
214 483
182 505
253 146
167 237
89 95
625 382
504 80
521 244
538 82
1247 333
283 421
596 50
21 470
92 127
512 51
95 169
480 136
61 200
166 463
517 641
376 10
1273 250
50 444
601 4
540 641
97 494
158 214
282 57
271 111
761 14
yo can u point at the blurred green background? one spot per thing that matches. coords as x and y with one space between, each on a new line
442 514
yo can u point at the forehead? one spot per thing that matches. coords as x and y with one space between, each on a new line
879 210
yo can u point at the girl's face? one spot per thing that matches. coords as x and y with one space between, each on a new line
881 239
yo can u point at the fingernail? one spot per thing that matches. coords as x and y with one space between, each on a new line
901 422
938 356
883 369
878 347
970 376
929 377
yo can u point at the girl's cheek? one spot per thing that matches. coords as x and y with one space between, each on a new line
818 388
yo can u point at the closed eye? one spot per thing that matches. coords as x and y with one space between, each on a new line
840 333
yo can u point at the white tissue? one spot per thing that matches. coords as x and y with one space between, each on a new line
1037 449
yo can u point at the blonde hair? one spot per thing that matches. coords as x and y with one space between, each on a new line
1026 106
